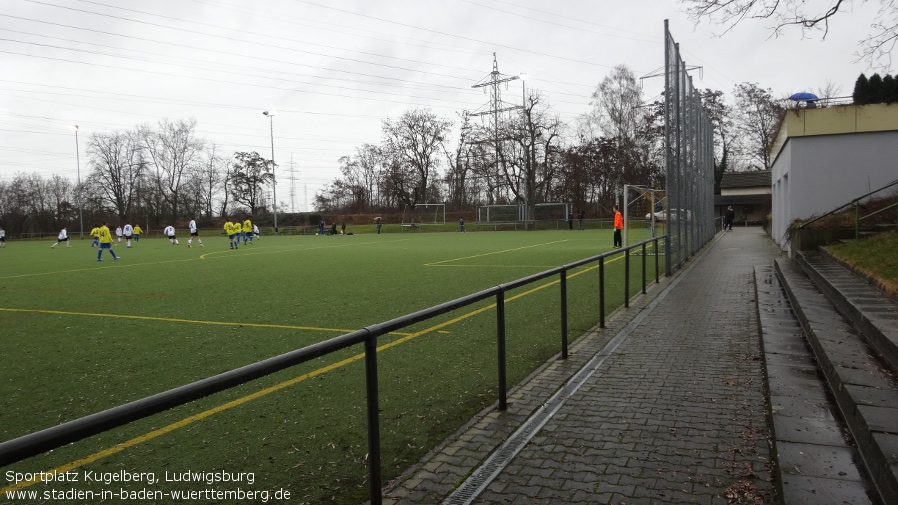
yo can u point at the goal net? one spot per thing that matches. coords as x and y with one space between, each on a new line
552 211
499 213
425 213
645 213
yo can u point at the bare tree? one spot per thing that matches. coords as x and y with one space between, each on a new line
213 177
117 163
536 135
828 91
615 106
757 115
414 141
807 15
172 149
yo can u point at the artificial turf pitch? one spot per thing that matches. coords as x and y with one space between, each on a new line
80 336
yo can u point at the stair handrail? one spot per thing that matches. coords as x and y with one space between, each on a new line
852 202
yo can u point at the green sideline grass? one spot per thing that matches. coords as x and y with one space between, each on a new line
80 336
874 255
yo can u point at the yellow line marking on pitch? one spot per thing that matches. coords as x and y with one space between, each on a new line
176 320
277 387
435 263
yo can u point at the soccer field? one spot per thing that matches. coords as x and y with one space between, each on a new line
80 336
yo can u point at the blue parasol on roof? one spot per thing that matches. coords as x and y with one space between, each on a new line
803 96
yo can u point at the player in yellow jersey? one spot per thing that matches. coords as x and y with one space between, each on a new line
105 240
231 232
247 231
95 233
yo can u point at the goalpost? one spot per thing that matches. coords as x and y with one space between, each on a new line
425 213
552 211
645 213
499 213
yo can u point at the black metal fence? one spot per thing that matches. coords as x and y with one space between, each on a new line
36 443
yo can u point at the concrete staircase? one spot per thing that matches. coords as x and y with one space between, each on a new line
852 330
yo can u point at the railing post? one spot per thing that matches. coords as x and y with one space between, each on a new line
627 278
602 292
657 252
500 346
373 418
643 267
563 314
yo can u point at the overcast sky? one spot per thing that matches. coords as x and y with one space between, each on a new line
334 69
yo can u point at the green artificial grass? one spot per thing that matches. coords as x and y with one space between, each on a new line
874 255
81 336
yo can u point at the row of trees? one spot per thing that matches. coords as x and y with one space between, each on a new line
151 175
164 173
876 89
531 156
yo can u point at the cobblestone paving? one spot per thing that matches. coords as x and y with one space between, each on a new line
675 415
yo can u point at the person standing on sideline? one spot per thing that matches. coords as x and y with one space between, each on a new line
342 228
137 232
194 232
169 232
118 233
618 226
247 231
378 222
95 233
105 240
63 237
580 216
570 220
728 219
461 224
128 232
2 238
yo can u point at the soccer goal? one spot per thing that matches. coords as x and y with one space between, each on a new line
552 211
500 213
425 213
645 213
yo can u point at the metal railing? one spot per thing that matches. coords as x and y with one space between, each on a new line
36 443
856 203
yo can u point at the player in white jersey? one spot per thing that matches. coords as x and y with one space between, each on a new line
194 232
63 237
128 232
169 232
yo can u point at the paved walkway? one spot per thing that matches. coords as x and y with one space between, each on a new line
666 405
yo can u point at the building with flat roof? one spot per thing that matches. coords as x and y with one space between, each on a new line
749 193
825 157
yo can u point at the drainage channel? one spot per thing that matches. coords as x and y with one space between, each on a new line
471 488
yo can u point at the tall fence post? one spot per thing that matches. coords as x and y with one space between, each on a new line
643 267
500 346
657 252
373 418
563 314
627 278
602 292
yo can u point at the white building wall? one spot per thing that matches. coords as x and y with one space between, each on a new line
816 174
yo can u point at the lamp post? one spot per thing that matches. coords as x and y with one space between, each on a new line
274 184
80 204
523 78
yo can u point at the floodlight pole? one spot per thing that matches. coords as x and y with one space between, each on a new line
80 203
523 78
274 183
